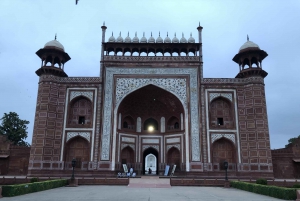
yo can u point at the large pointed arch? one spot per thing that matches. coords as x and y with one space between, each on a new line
109 101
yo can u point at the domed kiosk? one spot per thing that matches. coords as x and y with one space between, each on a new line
53 58
250 58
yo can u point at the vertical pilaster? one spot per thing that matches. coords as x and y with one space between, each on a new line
102 48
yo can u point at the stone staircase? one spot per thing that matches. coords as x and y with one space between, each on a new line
149 182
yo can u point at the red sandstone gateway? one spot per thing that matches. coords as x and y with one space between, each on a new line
149 108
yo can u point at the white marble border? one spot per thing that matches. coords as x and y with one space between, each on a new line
108 106
85 135
86 129
208 131
181 136
121 135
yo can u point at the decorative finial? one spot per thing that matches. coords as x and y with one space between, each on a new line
199 23
247 37
135 34
120 33
128 33
167 34
182 35
159 33
55 37
104 23
143 34
191 34
151 33
175 34
112 33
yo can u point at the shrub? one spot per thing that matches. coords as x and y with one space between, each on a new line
296 186
20 189
262 181
273 191
34 179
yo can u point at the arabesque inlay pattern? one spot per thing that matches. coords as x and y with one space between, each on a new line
148 146
215 137
70 79
108 99
85 135
127 145
233 80
173 145
87 94
215 95
127 85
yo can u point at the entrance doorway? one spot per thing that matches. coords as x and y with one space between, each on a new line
150 161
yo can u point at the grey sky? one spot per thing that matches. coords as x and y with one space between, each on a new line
26 25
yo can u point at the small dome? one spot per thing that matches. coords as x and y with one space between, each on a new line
248 44
167 39
128 39
183 40
191 39
135 39
175 39
54 44
112 38
159 39
120 39
151 39
144 39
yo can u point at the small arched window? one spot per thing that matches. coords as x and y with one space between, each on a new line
125 124
176 125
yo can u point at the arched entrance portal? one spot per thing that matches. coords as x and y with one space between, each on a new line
173 158
150 160
223 149
77 148
127 155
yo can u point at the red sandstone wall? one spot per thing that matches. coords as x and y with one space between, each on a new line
49 121
48 124
253 128
18 160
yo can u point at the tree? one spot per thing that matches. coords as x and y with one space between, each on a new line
292 140
14 128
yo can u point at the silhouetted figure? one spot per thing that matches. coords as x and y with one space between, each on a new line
149 171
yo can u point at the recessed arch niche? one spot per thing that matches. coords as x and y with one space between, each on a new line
78 148
80 112
150 103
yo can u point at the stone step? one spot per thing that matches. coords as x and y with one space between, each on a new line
149 182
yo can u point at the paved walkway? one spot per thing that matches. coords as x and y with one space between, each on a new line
149 182
124 193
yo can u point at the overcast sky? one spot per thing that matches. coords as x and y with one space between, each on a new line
26 25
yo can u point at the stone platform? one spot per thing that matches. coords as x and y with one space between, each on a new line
149 182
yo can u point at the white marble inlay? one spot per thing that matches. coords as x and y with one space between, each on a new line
85 135
173 140
215 95
123 145
165 83
153 146
230 137
139 125
173 145
87 94
128 139
154 141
